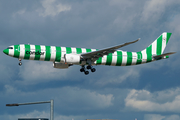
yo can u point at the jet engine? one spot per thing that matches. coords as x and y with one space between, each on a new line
60 65
72 59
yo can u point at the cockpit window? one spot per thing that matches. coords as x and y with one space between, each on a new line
10 48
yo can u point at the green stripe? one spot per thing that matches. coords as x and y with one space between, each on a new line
88 50
159 45
139 58
16 51
68 50
27 49
149 53
37 49
129 58
119 58
168 36
6 51
58 54
78 50
109 59
48 53
99 61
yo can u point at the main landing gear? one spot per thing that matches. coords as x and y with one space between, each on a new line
20 63
83 69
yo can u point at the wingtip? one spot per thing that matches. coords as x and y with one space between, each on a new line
137 39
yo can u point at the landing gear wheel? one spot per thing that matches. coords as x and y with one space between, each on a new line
82 70
20 63
89 67
93 70
86 72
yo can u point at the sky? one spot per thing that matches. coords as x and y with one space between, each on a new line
146 92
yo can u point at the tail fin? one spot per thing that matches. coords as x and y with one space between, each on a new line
157 47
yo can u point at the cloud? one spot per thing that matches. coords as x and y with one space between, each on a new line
153 117
33 114
144 100
122 75
20 12
52 8
11 90
33 72
154 10
88 99
174 27
161 117
44 114
70 97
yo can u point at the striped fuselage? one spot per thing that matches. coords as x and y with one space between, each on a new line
56 54
65 56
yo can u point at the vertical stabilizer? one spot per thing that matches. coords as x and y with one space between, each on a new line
157 47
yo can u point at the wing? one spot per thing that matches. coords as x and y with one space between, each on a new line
100 53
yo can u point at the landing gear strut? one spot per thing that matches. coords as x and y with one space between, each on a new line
20 63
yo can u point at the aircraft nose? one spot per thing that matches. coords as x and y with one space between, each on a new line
5 51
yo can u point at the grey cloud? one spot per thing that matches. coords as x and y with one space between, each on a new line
52 8
143 100
160 117
71 96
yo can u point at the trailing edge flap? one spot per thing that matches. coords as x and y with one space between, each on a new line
165 54
106 51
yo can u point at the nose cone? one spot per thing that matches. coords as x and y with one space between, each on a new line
6 51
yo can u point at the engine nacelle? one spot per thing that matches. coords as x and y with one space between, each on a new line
72 59
60 65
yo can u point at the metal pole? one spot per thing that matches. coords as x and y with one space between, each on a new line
52 108
17 104
41 102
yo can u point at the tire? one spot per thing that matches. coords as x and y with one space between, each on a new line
20 63
86 72
82 70
88 67
93 70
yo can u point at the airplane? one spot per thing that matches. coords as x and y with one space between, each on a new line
64 57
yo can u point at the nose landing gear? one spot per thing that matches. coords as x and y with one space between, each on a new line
20 63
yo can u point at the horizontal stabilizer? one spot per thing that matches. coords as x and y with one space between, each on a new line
163 55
